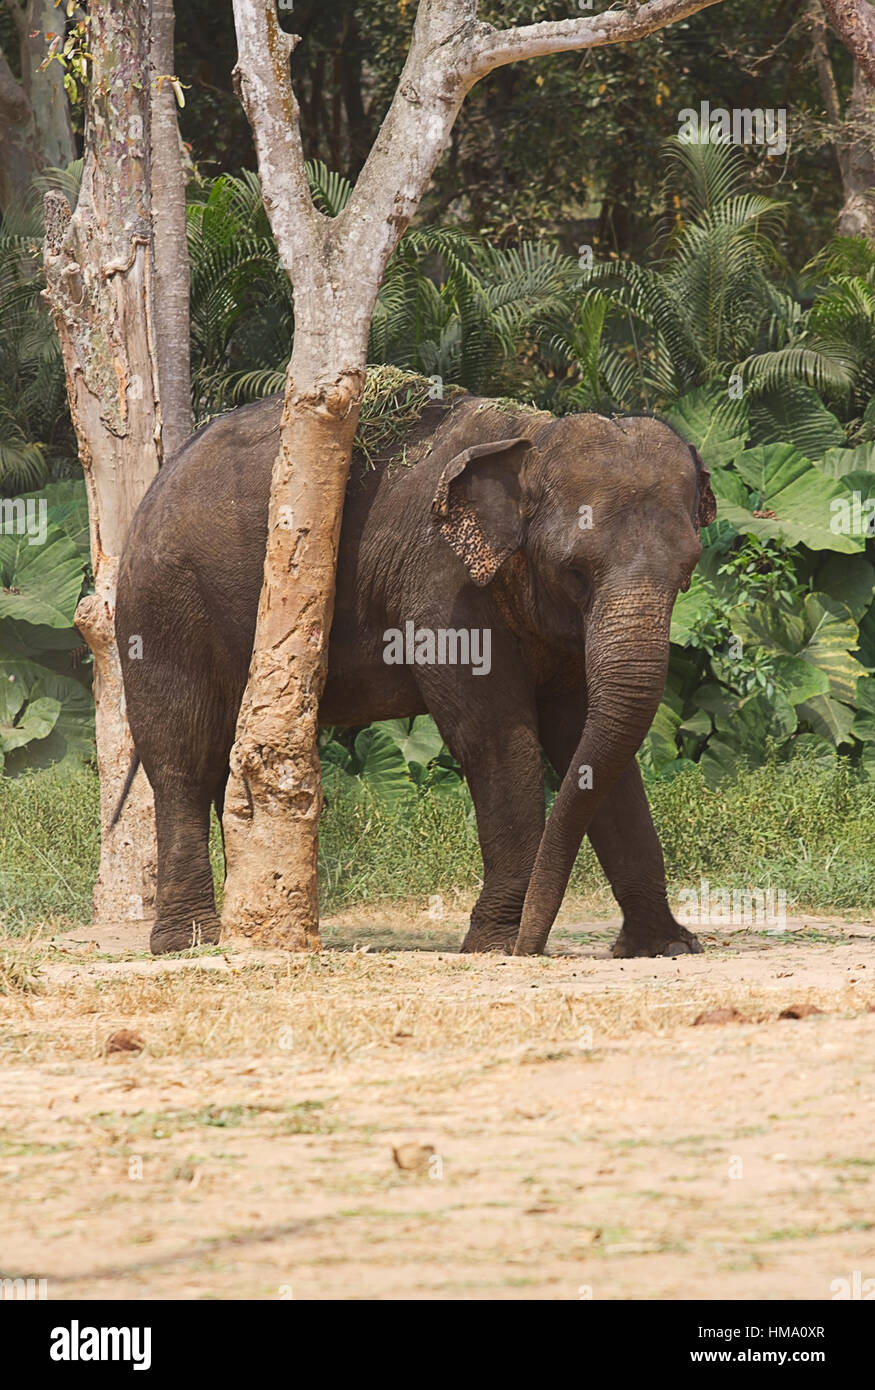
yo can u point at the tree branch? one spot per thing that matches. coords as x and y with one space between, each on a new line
854 22
499 46
822 64
264 86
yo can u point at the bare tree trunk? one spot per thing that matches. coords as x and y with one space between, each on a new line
857 161
855 133
19 150
172 338
45 88
34 112
99 271
273 799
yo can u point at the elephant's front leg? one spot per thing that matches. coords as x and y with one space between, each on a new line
624 838
496 744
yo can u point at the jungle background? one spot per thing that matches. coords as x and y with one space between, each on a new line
571 255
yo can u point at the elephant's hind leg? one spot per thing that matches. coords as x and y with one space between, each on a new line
186 911
492 732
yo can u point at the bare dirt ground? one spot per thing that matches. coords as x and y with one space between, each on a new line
566 1129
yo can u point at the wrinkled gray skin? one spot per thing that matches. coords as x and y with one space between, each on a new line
476 525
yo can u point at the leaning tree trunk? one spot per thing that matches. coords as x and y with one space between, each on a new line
100 274
274 796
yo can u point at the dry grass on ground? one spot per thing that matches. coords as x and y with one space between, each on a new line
563 1124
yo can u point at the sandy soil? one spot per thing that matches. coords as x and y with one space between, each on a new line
564 1128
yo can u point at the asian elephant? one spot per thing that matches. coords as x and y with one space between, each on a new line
542 554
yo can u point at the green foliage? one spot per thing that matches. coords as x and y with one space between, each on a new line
46 708
806 826
395 760
770 378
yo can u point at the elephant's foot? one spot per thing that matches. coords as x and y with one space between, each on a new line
202 930
500 939
663 938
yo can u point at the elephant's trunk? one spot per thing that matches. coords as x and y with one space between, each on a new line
627 648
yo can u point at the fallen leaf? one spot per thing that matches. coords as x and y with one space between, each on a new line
123 1041
799 1011
413 1158
725 1015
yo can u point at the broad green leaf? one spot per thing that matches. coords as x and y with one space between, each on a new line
740 740
690 610
866 654
850 579
824 635
796 499
716 700
443 780
334 754
830 634
798 680
418 740
714 424
698 725
828 717
68 510
383 767
767 626
864 723
721 760
796 414
72 734
659 746
836 463
40 583
728 487
39 718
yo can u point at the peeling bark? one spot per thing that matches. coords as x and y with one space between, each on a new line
100 275
336 266
172 330
854 22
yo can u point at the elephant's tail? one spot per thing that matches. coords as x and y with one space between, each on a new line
132 772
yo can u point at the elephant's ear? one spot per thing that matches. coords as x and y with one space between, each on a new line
479 505
706 504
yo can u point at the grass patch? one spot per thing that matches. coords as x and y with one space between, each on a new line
799 828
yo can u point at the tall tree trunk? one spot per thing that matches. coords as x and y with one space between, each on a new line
19 150
172 336
855 133
274 796
100 273
35 128
857 160
45 88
